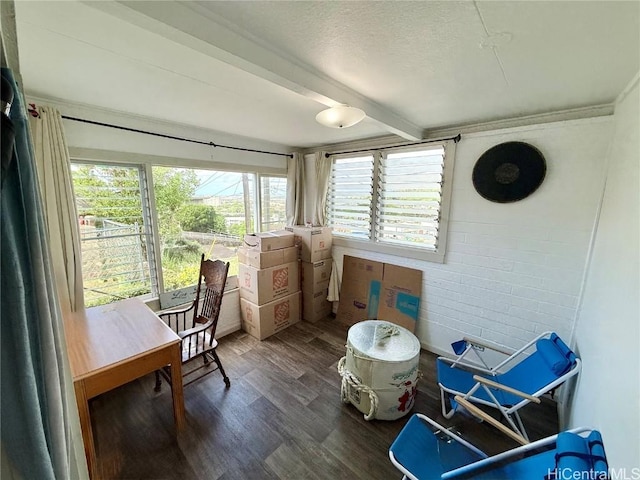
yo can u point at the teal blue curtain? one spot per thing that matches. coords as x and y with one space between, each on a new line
38 417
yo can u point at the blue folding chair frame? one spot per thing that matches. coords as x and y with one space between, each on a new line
425 450
523 377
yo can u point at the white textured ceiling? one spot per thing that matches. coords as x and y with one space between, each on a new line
264 69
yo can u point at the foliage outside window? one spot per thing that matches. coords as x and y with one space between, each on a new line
393 201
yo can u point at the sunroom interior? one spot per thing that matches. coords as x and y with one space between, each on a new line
224 95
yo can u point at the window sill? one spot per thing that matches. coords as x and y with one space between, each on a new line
399 251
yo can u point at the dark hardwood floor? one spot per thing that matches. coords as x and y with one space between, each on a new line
281 419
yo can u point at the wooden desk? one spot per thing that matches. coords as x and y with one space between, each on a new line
112 345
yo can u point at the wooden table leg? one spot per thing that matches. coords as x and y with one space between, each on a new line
176 386
85 424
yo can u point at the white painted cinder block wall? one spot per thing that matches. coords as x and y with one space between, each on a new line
607 334
514 270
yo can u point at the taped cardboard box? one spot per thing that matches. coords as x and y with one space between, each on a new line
315 276
315 306
267 241
262 286
262 321
257 259
315 242
379 291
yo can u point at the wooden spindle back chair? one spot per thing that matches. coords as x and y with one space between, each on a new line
197 324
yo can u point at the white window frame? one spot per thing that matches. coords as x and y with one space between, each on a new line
438 254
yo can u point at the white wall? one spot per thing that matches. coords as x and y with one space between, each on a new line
514 270
607 394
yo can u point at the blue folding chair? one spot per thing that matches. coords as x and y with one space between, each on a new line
425 450
522 378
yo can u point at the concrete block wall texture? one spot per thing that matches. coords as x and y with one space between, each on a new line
514 270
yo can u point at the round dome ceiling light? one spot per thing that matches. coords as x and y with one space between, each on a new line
341 116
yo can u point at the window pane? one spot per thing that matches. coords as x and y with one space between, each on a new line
200 211
117 253
349 197
274 193
409 196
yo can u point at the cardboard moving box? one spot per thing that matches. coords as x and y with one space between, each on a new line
315 276
262 321
315 306
262 286
315 242
379 291
257 259
267 241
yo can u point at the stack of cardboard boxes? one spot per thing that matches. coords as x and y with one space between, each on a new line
315 253
268 274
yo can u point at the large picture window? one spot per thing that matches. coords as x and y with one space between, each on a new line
392 201
143 228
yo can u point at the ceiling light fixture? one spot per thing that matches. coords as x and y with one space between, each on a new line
340 116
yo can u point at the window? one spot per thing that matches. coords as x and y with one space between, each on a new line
200 211
143 228
273 195
350 195
115 234
392 200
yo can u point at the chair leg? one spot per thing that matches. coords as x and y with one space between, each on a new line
227 382
158 382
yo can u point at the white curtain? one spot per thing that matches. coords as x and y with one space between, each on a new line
56 188
323 173
334 283
40 427
295 190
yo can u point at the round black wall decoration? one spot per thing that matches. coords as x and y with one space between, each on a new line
509 172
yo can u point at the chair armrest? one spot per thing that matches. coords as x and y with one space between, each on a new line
489 419
463 362
479 343
177 312
493 384
194 331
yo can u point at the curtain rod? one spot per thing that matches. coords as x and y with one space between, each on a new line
456 139
172 137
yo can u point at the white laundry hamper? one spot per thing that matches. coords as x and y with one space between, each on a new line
380 370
